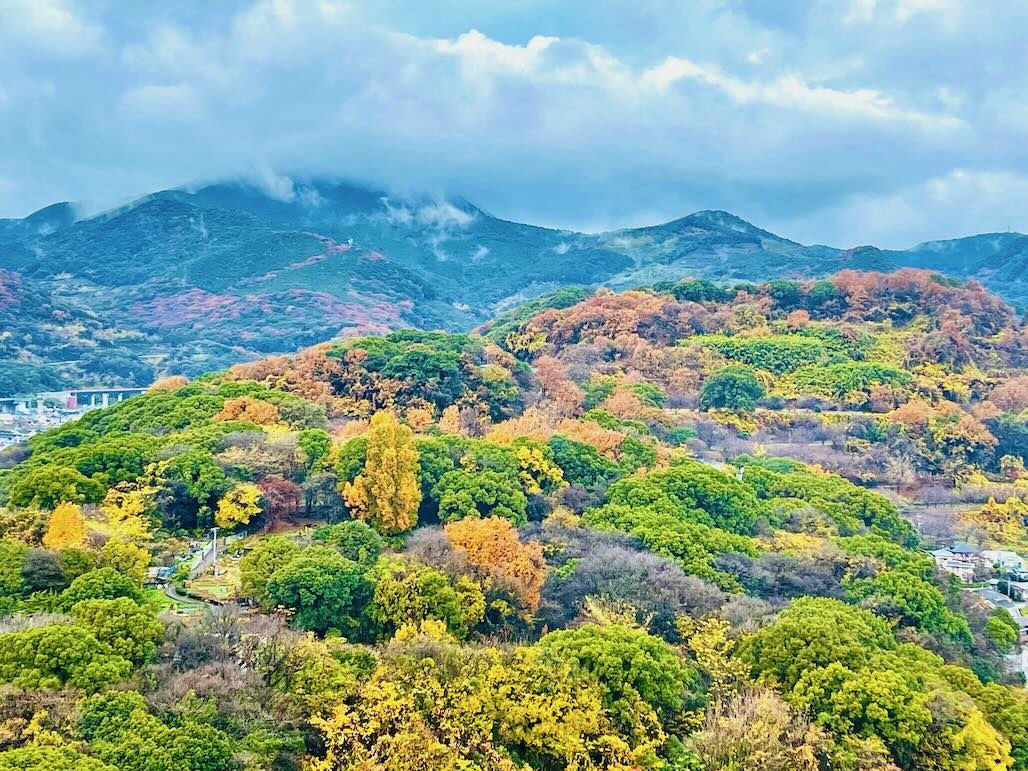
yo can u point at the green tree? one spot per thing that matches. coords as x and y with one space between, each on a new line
692 491
408 593
731 388
866 703
480 494
101 584
48 486
12 565
324 589
75 562
57 655
262 561
813 633
582 463
42 571
125 557
1001 630
197 481
316 445
131 632
351 457
634 669
42 758
125 735
355 540
910 600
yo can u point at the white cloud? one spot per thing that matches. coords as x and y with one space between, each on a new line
790 91
50 26
443 215
278 186
485 55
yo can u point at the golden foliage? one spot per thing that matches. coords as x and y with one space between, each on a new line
1002 522
492 545
386 494
419 416
307 374
128 506
537 472
798 319
626 405
712 647
239 505
449 421
603 439
67 527
250 410
531 424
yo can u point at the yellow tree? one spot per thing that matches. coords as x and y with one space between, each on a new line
239 505
386 494
128 506
492 545
125 557
67 527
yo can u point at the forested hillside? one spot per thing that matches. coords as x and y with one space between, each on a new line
196 280
679 527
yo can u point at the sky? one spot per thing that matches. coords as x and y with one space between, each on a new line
843 122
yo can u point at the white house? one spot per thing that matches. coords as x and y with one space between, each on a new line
959 559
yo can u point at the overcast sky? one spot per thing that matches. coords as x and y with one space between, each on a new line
834 121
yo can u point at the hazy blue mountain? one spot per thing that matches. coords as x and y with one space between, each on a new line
199 278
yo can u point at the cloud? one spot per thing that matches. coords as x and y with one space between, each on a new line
277 186
790 91
804 114
956 204
53 27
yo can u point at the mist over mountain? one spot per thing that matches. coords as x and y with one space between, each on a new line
188 280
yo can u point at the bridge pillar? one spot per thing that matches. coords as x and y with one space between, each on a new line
105 399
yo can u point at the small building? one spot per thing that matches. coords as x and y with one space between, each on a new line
959 559
1004 559
158 576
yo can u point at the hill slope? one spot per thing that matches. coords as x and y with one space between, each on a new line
228 272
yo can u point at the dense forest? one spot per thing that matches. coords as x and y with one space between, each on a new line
679 527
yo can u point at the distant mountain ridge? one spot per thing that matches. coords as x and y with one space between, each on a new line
197 279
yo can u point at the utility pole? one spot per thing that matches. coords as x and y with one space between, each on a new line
215 529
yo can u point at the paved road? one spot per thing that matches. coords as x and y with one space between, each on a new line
172 592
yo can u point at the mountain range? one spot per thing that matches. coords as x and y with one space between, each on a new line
189 280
